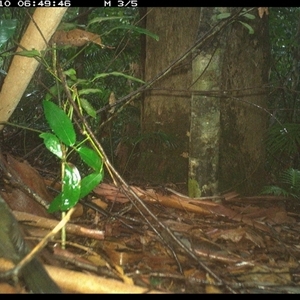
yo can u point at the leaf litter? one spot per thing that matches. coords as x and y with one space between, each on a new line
226 244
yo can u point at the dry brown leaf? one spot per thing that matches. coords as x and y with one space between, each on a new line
6 288
76 38
221 210
271 215
99 203
119 254
178 226
269 275
262 11
211 289
236 235
255 238
112 101
27 177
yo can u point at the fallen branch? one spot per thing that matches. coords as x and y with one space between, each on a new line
41 222
77 282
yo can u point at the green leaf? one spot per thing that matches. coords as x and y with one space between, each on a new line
71 190
55 205
88 107
29 53
291 178
101 19
249 16
54 90
7 29
103 75
274 190
71 187
223 16
52 143
89 91
71 73
284 138
91 158
250 29
89 182
67 26
60 123
137 29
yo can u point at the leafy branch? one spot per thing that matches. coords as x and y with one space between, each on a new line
58 142
244 13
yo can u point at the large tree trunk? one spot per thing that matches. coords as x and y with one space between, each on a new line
225 149
166 108
243 123
205 110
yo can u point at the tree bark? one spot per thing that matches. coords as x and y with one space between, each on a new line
225 150
165 113
205 111
243 121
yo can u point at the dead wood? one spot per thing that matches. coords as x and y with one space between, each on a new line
74 229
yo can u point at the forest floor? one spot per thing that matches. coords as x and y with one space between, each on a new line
164 243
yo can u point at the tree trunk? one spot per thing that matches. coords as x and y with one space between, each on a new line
166 109
205 111
243 122
225 148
